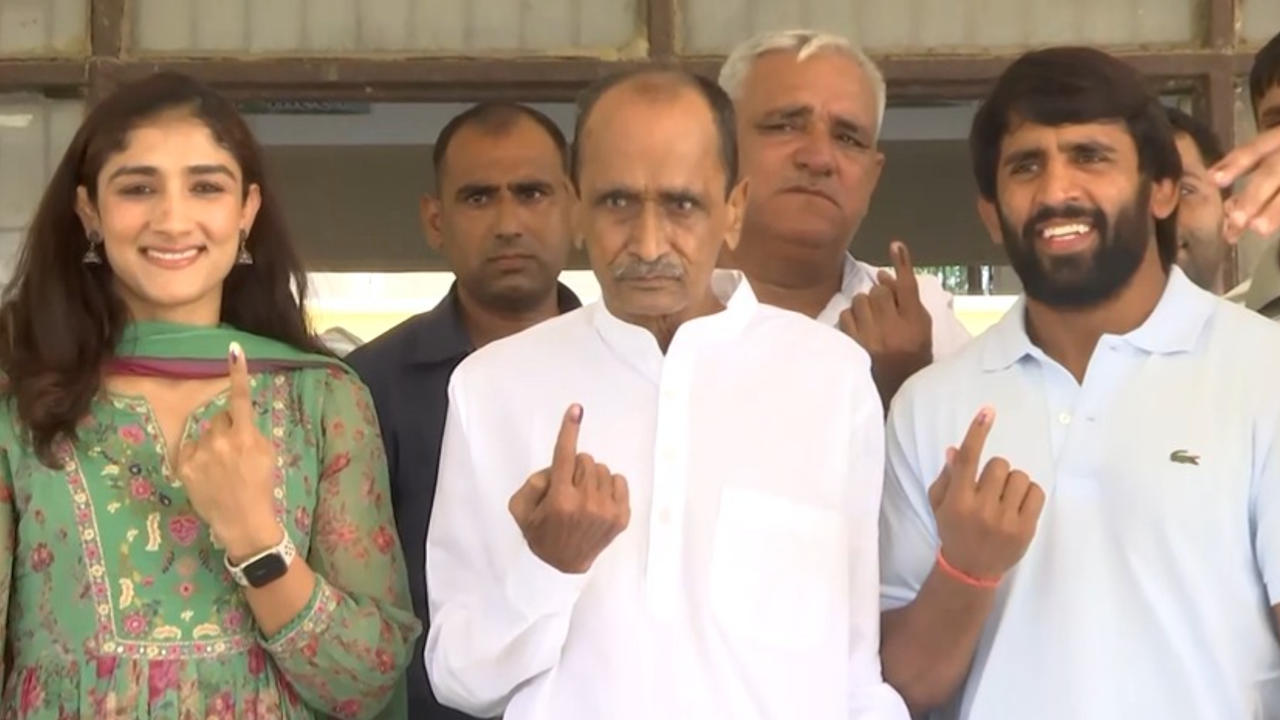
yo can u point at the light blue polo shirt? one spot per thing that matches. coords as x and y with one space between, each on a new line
1147 590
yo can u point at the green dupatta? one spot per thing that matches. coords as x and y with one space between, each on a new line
162 349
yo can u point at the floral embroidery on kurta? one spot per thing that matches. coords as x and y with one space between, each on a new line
119 602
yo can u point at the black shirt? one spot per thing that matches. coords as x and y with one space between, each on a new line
407 370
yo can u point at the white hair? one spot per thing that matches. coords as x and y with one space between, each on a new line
805 43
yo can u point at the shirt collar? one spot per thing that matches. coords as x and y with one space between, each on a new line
441 335
638 347
855 278
1174 326
1007 341
1178 320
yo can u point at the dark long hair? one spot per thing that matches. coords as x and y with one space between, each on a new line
60 319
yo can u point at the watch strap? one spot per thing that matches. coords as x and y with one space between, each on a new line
285 549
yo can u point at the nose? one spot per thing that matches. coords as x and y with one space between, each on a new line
506 220
649 234
1060 184
815 156
172 213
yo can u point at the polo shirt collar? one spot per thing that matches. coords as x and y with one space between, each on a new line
1174 326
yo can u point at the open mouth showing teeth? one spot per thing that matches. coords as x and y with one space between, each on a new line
1059 232
172 255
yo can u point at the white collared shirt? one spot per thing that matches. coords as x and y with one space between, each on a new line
745 585
949 335
1147 590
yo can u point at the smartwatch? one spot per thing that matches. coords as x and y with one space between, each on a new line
265 567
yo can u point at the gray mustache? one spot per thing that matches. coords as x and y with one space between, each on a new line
662 268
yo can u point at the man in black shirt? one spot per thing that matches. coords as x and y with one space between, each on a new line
501 219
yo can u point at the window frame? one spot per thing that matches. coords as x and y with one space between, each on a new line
1207 71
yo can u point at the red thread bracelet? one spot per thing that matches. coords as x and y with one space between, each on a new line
964 577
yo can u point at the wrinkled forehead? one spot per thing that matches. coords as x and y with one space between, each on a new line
828 81
632 141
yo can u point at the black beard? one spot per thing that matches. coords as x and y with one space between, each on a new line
1082 280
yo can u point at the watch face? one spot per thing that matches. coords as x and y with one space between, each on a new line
264 570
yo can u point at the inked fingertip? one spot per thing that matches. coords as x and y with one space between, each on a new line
986 415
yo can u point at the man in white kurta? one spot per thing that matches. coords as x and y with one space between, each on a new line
751 441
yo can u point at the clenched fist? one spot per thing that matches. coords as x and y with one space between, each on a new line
892 325
571 511
985 521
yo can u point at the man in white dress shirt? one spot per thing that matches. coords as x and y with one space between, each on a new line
1130 566
810 106
695 536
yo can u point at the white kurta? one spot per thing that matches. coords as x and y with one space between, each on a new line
746 584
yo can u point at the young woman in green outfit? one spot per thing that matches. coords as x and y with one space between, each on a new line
194 513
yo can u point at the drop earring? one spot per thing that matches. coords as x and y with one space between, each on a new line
91 256
244 258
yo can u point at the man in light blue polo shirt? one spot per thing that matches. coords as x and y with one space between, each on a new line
1081 516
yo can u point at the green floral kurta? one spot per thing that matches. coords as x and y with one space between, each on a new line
118 605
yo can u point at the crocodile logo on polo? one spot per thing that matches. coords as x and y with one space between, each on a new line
1184 457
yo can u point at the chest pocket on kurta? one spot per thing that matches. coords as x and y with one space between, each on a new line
777 574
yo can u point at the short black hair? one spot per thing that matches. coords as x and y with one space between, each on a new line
716 98
1205 139
1265 73
496 118
1076 85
